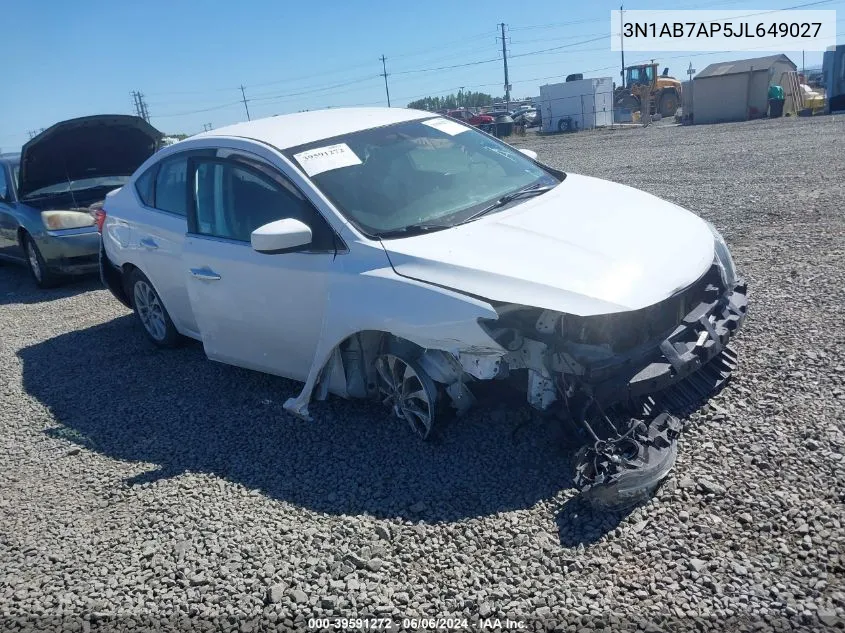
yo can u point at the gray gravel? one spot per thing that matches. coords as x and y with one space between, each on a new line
138 483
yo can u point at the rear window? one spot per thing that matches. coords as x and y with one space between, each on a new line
172 186
145 185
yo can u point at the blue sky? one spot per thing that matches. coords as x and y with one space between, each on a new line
67 59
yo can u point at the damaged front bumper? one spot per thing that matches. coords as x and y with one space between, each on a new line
622 387
700 338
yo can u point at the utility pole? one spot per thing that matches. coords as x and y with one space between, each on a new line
622 40
505 60
246 107
384 74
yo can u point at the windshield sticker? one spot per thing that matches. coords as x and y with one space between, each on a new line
316 161
444 125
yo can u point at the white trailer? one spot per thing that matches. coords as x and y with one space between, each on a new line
577 105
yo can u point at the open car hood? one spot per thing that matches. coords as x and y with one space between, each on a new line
97 146
588 246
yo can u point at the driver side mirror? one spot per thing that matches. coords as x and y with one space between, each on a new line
530 153
280 236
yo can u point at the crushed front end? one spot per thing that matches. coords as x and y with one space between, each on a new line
621 379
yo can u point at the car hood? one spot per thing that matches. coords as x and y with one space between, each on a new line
588 246
97 146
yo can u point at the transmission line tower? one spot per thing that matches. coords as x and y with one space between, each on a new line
140 105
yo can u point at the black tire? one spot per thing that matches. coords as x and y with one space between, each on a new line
42 276
669 104
564 125
150 311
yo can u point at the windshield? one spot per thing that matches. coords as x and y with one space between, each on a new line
436 172
79 185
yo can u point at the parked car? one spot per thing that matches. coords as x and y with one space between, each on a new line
402 256
49 194
529 118
467 116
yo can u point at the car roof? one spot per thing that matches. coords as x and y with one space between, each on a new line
291 130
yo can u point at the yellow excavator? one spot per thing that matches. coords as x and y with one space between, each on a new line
642 80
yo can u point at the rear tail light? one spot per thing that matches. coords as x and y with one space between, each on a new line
100 218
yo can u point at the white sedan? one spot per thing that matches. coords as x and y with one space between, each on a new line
402 256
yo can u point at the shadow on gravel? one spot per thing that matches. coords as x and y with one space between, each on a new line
579 523
115 394
17 286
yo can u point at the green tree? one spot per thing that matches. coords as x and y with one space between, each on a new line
462 99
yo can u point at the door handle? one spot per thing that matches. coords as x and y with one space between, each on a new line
205 274
148 243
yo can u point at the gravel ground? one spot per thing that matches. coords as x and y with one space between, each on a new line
138 483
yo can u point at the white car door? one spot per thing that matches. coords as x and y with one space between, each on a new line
256 310
159 234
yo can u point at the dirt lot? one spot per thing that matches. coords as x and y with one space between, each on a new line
137 482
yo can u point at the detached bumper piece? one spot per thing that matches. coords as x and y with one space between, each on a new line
695 363
625 470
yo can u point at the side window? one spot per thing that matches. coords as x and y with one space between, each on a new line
232 200
145 185
171 193
4 187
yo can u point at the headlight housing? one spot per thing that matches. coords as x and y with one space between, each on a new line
723 258
58 220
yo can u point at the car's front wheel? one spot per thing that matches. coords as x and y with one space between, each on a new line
41 274
150 310
408 391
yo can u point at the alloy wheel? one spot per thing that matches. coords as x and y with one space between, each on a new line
408 391
32 258
150 310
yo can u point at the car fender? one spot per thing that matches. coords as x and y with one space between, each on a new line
429 316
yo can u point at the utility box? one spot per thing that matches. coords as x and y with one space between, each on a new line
577 105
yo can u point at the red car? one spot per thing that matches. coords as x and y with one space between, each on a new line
468 117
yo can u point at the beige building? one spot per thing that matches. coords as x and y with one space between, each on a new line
739 90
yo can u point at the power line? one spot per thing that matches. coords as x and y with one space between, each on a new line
211 109
288 80
558 48
384 74
283 97
428 70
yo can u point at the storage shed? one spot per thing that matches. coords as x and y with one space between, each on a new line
739 90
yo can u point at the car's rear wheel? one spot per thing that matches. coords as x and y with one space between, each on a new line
41 274
408 391
150 310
